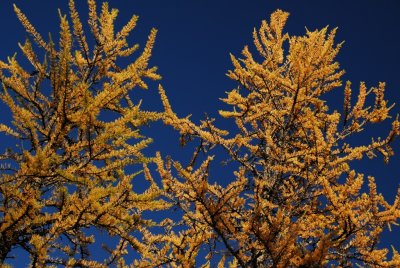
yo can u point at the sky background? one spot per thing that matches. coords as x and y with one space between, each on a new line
194 41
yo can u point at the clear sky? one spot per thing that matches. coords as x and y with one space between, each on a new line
195 39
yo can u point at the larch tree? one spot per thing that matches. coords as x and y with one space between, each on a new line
68 181
294 199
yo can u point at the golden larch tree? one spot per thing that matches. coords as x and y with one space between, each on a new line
294 199
71 170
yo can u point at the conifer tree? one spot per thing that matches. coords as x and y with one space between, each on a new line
69 177
295 199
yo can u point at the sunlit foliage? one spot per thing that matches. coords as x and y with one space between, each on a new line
67 178
294 199
290 196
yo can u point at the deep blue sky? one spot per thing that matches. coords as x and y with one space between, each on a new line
196 36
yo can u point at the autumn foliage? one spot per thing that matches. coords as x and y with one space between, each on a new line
69 176
291 197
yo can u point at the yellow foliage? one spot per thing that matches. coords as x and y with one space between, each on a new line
70 174
294 201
